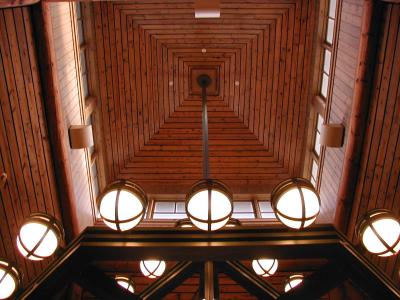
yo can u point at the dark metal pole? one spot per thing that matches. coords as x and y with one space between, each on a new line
204 81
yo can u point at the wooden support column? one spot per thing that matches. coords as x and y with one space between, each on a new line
54 116
359 112
209 280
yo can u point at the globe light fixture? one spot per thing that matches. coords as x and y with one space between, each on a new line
209 205
125 282
122 205
152 268
379 232
209 202
39 237
295 203
292 281
10 279
265 267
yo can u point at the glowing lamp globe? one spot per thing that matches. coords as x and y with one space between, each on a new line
10 279
152 268
379 232
209 205
39 237
265 267
292 281
122 205
295 203
125 282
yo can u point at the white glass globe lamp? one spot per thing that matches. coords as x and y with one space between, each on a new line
39 237
209 205
295 203
122 205
379 232
152 268
10 279
125 282
292 281
265 267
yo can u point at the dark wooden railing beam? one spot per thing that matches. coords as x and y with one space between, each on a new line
318 283
97 245
359 112
169 281
54 115
101 286
247 279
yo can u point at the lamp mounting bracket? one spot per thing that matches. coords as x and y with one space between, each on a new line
204 80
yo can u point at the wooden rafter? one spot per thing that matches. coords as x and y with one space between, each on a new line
247 279
169 281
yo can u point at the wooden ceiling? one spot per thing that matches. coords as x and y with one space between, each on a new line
148 55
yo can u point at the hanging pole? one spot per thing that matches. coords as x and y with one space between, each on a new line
204 81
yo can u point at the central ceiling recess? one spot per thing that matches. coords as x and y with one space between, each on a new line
152 129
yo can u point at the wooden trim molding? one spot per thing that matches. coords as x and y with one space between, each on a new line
359 112
318 104
54 116
328 103
17 3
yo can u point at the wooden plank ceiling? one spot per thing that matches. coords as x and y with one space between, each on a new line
151 114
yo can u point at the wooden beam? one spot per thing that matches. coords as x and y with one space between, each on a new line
169 281
247 279
367 275
359 112
318 283
209 280
319 241
102 286
17 3
54 116
59 273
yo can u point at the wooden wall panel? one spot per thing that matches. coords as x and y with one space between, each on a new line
342 96
64 46
24 147
378 183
